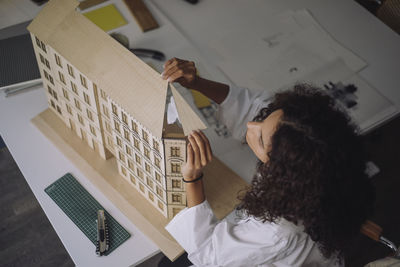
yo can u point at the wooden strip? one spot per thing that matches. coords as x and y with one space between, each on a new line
89 3
142 15
221 184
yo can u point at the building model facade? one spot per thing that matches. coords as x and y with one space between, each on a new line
114 102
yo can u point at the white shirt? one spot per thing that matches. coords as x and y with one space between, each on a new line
248 242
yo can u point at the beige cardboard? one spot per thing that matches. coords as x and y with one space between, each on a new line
189 119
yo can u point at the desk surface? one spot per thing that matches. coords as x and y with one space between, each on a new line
41 163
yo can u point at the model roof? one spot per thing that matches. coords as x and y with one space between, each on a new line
130 82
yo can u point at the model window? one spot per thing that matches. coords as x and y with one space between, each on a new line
70 71
134 126
47 64
80 119
157 162
105 111
126 134
102 93
55 95
92 130
123 171
59 110
147 167
138 159
61 77
130 165
176 184
51 79
158 177
68 109
37 41
58 60
86 97
145 136
159 191
175 151
73 87
65 93
43 46
77 104
46 74
133 180
175 168
89 114
114 109
151 196
156 146
42 59
141 187
139 173
124 118
136 143
119 143
176 198
83 81
108 127
146 153
149 182
128 150
121 156
116 126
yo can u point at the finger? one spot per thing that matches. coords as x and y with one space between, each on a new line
189 157
175 76
202 147
173 61
169 71
207 144
182 76
196 150
168 62
184 68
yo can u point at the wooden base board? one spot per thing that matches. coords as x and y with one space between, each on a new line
221 184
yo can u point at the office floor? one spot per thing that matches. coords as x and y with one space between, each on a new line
28 239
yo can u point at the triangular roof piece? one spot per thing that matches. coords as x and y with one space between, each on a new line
189 119
130 82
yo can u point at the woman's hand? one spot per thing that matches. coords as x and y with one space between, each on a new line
181 71
199 154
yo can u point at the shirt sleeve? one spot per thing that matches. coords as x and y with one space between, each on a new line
239 107
210 242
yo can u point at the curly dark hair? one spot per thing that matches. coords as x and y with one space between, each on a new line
316 171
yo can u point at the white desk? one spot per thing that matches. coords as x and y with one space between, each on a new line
41 163
348 22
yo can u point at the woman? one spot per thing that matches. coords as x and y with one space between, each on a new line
309 196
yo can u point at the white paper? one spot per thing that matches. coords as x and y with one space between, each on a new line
172 112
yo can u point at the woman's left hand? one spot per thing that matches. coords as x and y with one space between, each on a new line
199 154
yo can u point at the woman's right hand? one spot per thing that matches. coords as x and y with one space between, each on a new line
182 71
199 154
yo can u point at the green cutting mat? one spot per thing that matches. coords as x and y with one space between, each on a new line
82 209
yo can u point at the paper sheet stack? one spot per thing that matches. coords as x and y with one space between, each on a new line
291 48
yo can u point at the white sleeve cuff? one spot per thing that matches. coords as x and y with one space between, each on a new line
193 226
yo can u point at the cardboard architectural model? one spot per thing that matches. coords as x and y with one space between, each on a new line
114 102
